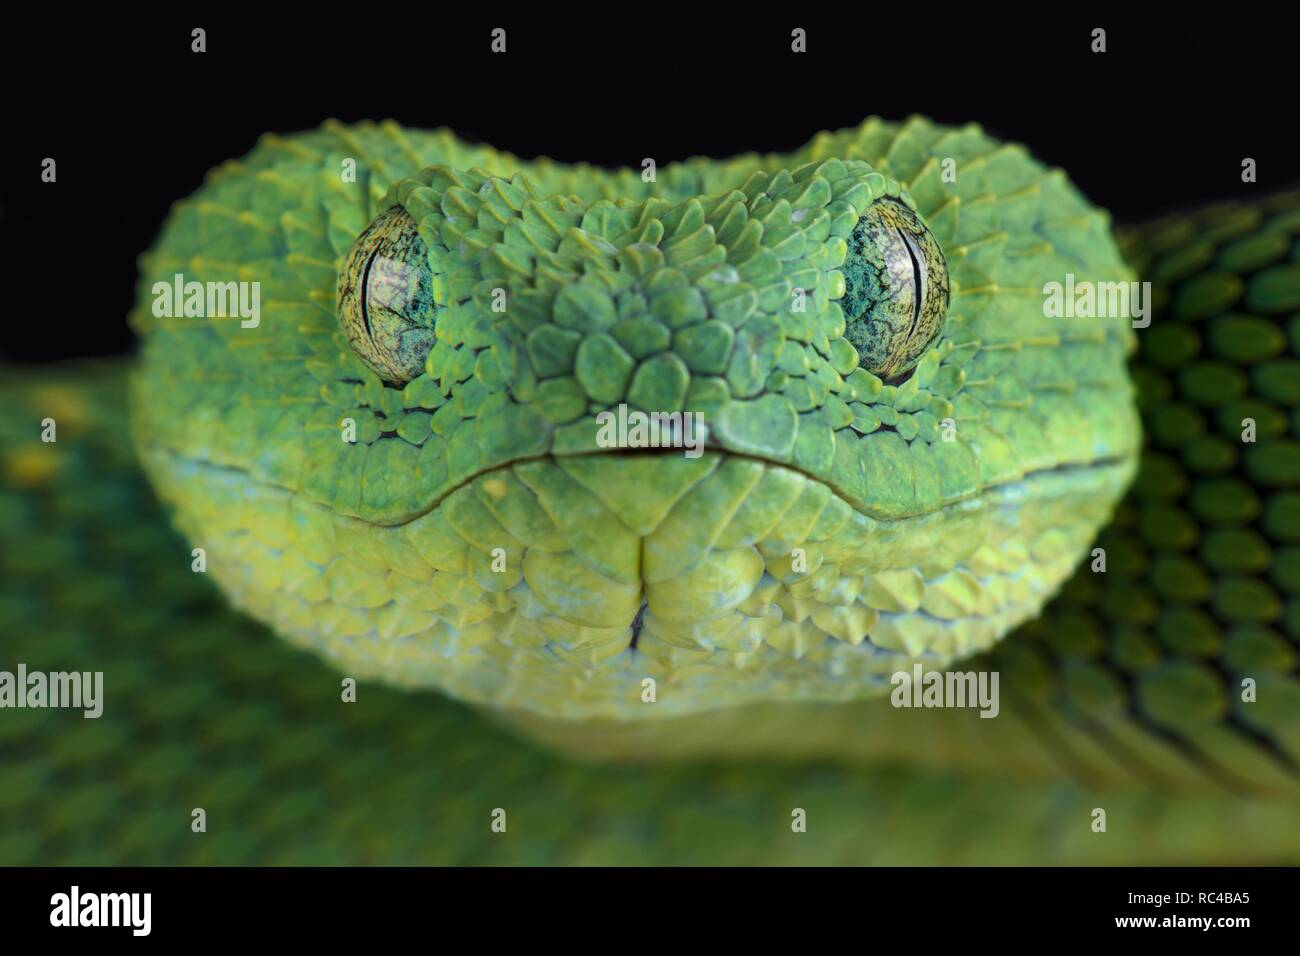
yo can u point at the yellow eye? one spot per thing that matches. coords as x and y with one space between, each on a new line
386 304
895 290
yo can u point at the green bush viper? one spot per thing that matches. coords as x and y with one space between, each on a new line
906 454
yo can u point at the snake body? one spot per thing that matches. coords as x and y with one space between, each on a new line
1126 693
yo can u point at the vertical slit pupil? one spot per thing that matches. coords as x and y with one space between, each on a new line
365 294
918 280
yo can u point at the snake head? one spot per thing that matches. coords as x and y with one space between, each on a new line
761 429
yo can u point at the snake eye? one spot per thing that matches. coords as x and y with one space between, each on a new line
386 300
895 290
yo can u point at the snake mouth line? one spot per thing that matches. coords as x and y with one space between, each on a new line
1095 466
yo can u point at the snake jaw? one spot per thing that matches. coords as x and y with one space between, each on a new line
558 586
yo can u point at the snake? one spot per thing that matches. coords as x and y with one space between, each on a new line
371 579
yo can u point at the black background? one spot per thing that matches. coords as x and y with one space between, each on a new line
1160 121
